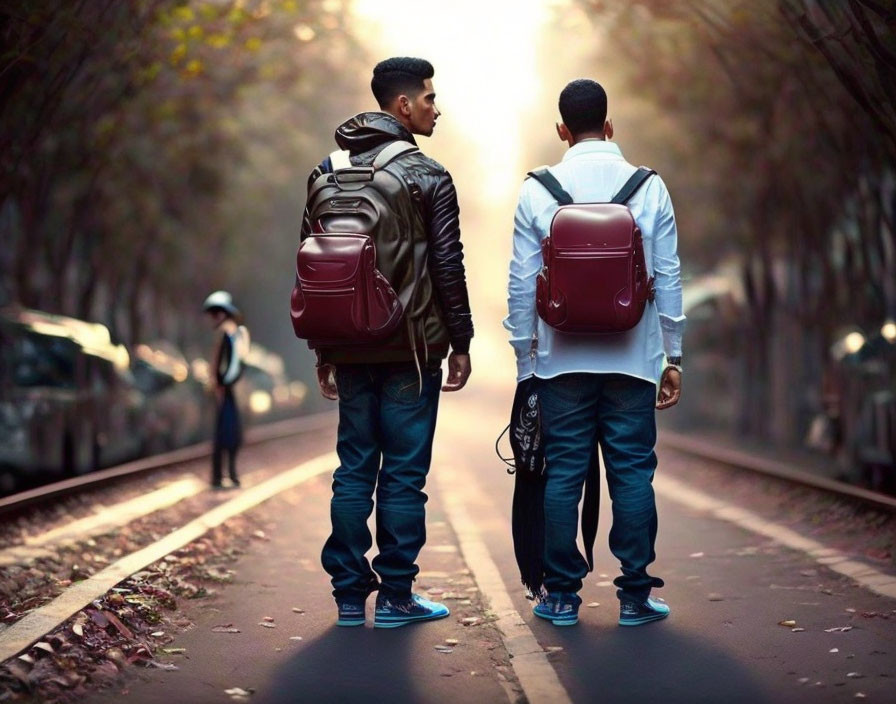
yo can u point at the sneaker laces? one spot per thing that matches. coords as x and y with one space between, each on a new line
404 605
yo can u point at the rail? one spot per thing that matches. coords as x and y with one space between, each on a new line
254 435
778 469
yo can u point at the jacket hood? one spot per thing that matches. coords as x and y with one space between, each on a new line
370 130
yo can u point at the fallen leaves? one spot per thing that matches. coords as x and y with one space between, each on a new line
117 656
126 626
787 623
225 628
115 621
98 617
239 693
168 666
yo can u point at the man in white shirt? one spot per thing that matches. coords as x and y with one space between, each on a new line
598 389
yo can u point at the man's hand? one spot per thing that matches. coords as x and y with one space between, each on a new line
458 371
326 380
670 389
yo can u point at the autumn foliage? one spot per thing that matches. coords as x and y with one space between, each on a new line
146 146
778 123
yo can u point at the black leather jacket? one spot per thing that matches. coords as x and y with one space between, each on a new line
364 136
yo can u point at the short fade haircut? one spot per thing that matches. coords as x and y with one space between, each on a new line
399 75
583 106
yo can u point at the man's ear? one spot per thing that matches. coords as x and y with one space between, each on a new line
608 129
404 105
563 132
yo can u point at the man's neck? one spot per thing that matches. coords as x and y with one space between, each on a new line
398 117
587 137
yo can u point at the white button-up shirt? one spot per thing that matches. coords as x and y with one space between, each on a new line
593 171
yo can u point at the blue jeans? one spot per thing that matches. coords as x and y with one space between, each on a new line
615 411
384 443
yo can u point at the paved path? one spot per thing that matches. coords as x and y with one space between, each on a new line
728 588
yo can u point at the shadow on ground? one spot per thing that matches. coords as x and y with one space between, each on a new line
349 665
651 663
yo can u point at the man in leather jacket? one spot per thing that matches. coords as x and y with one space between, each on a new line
387 398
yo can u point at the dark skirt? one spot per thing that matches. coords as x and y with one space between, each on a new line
228 430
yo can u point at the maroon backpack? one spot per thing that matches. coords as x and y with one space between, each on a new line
342 295
594 279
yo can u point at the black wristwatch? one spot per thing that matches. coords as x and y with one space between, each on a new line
674 363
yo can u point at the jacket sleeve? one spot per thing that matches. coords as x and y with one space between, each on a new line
446 262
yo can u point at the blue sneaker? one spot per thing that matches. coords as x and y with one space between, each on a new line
350 613
392 613
560 608
633 613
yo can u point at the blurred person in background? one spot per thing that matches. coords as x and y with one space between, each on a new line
598 389
227 367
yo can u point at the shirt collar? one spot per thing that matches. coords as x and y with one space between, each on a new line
594 146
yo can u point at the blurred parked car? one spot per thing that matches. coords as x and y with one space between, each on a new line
176 412
68 403
265 392
858 425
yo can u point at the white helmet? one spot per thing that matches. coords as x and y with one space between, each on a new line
222 300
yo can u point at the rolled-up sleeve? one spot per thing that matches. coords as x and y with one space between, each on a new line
667 273
524 267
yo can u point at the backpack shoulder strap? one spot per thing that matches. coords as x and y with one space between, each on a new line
340 160
318 184
632 185
392 151
552 185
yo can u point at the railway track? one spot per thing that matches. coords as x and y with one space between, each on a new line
165 520
778 469
707 450
15 503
